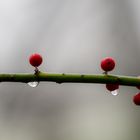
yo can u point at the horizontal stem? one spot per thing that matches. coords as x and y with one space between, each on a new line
71 78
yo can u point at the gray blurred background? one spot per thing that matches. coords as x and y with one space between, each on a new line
72 36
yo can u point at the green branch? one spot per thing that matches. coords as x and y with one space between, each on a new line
70 78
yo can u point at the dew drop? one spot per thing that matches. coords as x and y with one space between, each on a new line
33 84
114 92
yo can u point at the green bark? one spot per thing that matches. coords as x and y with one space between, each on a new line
71 78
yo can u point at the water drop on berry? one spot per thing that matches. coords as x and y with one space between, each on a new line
114 92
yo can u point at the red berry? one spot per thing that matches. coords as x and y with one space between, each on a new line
138 87
112 87
136 99
108 64
35 59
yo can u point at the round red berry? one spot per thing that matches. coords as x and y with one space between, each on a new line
136 99
138 87
112 87
108 64
35 60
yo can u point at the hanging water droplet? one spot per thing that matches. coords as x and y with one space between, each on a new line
33 84
114 92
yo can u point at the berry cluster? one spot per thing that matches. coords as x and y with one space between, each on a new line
108 64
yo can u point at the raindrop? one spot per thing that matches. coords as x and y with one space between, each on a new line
33 84
114 92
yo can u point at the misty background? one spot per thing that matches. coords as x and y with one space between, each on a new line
72 36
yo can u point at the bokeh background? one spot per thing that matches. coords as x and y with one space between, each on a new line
72 36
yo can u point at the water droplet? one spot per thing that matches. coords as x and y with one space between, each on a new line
114 92
33 84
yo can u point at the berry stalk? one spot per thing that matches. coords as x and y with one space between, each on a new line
71 78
